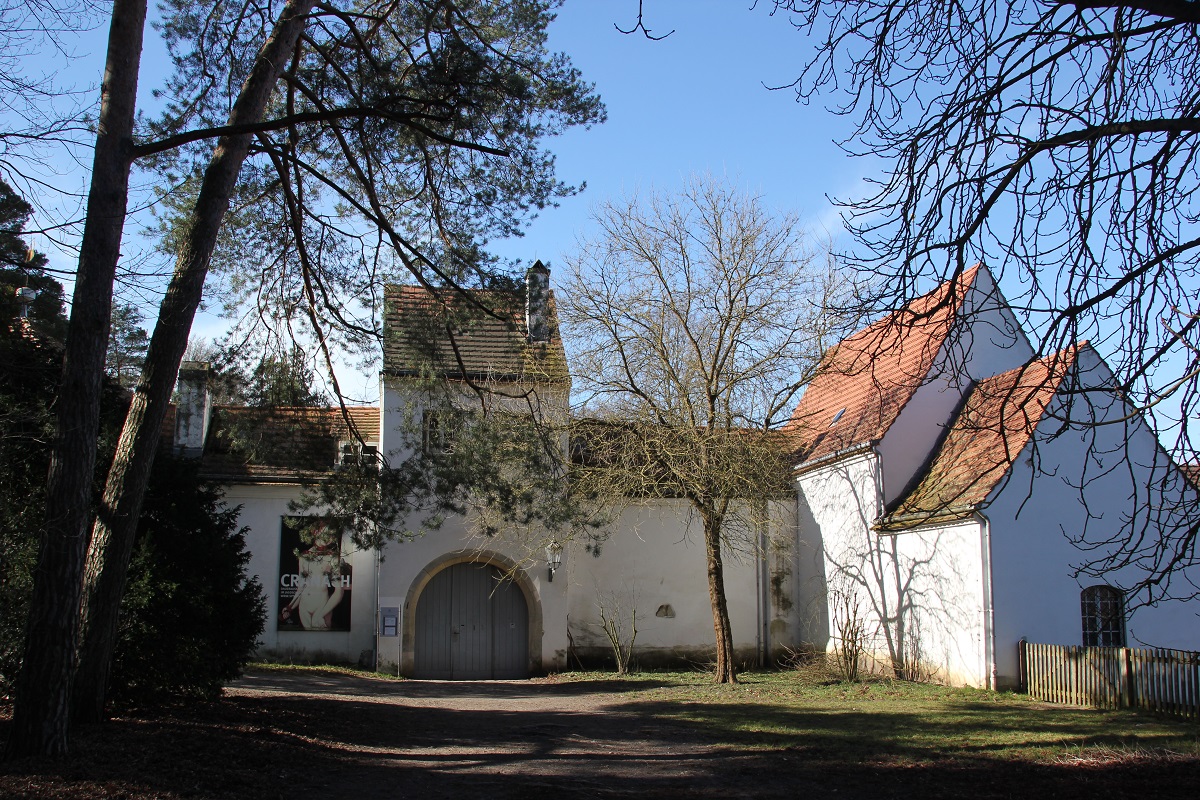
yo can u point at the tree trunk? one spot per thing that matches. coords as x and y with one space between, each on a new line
726 668
41 713
116 524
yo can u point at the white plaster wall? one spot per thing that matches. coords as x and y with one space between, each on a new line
398 411
938 590
403 407
835 508
405 562
263 509
905 447
920 593
654 560
1033 522
991 339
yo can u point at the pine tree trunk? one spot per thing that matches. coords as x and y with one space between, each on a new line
41 720
116 525
726 668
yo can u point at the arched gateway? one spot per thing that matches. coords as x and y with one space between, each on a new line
470 623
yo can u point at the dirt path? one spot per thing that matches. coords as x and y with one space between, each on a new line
498 738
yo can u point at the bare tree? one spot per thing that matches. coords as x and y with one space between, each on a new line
695 320
613 607
1056 141
37 112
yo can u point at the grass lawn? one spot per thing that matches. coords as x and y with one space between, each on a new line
899 721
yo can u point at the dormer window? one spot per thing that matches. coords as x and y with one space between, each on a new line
355 452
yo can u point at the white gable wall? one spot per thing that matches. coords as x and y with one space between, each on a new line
919 593
834 554
908 442
404 404
1036 514
940 601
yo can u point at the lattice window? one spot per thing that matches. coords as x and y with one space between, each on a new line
354 452
1103 610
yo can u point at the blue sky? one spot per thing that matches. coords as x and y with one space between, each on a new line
693 102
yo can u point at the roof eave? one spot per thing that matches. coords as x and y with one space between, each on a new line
810 466
898 523
475 377
293 479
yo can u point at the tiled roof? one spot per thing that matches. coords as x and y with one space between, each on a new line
865 382
1192 472
447 334
991 430
280 444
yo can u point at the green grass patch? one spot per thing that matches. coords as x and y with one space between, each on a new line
352 670
891 721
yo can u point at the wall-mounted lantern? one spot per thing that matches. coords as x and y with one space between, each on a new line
554 552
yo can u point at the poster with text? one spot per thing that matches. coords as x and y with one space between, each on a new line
315 582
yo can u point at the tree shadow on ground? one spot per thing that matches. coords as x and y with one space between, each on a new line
277 746
342 684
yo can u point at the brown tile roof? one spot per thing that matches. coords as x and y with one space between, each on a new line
247 445
447 334
1191 471
991 430
863 384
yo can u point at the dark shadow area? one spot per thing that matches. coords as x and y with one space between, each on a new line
336 683
273 746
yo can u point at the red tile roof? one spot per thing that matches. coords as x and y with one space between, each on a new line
281 444
445 333
992 428
1192 472
865 382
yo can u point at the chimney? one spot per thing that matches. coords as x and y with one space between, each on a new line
194 409
537 302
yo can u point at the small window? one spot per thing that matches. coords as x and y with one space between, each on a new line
435 434
1103 609
836 417
356 453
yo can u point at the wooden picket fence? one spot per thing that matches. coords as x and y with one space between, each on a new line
1161 680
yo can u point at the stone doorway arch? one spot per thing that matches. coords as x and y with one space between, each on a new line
481 618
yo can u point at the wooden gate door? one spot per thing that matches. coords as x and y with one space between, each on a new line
471 625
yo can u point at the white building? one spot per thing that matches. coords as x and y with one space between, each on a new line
950 486
933 484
